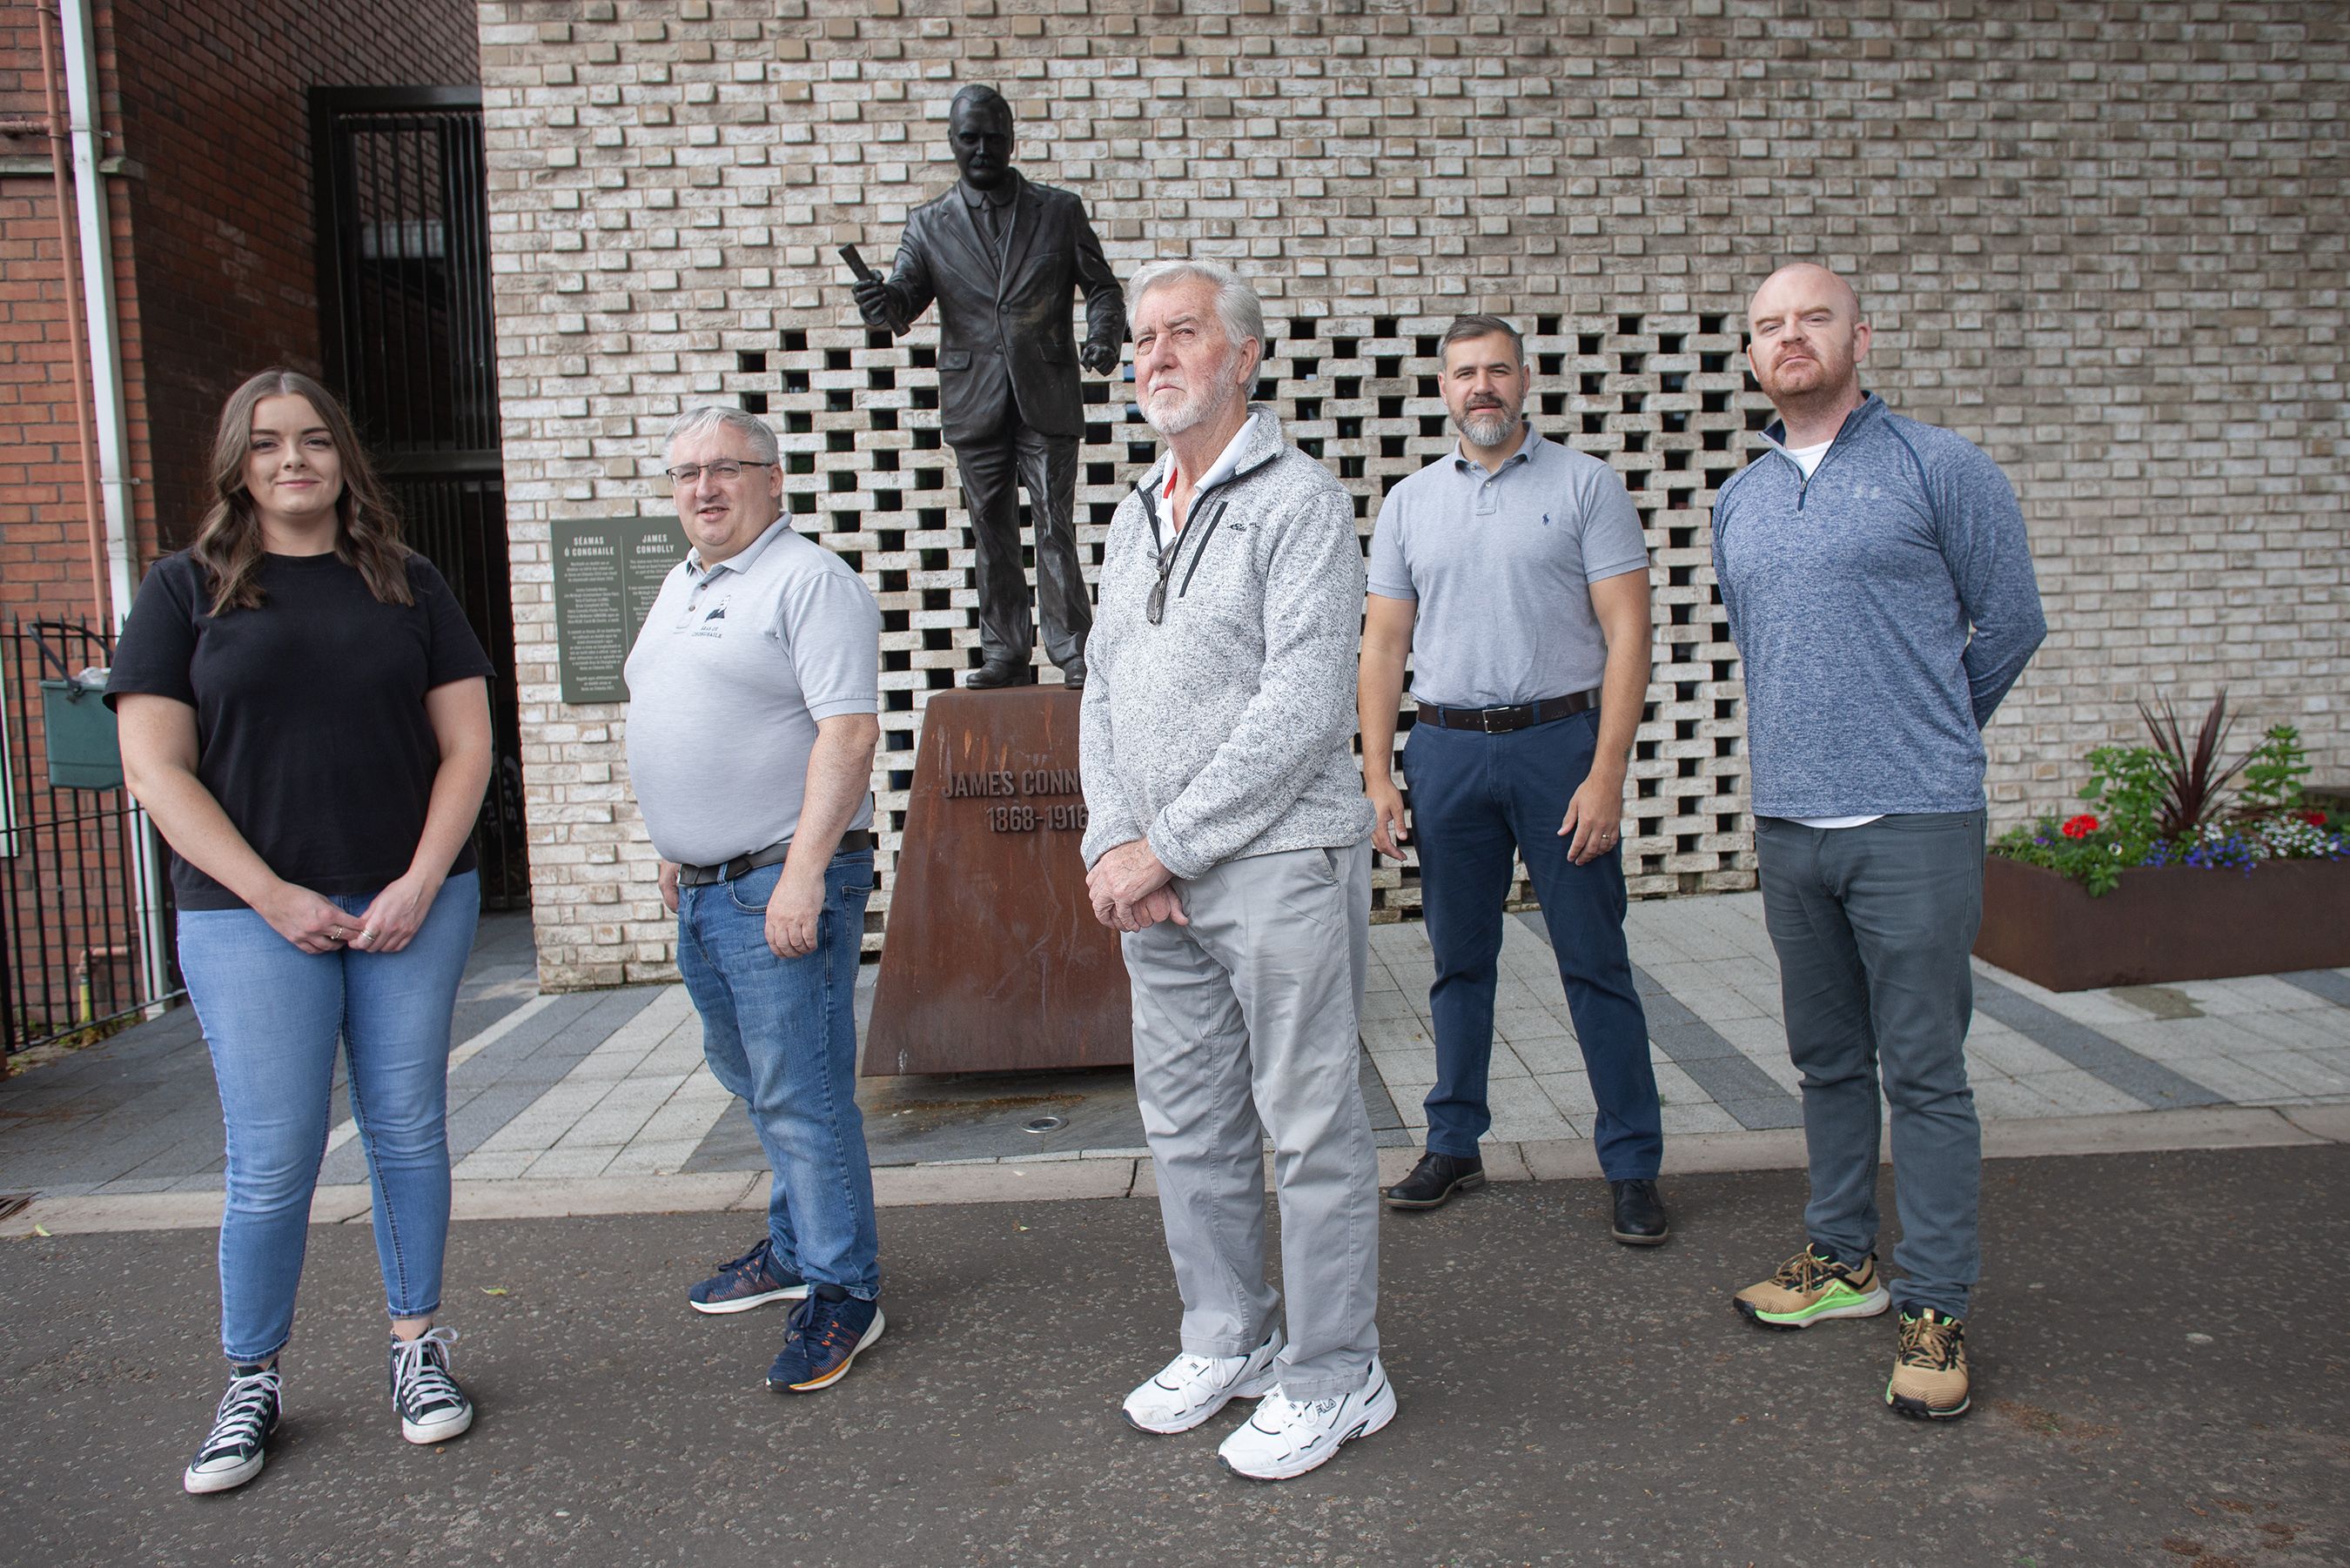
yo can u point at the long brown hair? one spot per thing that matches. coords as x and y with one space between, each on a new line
367 529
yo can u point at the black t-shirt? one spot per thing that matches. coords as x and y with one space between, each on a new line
310 724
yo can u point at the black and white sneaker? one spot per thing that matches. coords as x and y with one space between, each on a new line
232 1454
432 1406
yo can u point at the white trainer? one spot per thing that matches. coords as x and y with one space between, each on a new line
1288 1437
1191 1388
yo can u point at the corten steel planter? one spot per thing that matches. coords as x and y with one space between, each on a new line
2165 923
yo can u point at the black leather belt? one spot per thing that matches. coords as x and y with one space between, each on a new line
1499 721
855 839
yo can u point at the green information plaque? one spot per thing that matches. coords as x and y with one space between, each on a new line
608 572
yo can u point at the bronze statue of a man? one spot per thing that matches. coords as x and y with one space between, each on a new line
1001 255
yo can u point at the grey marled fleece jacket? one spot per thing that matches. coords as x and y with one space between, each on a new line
1226 730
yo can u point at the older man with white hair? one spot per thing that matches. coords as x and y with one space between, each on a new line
1227 842
753 695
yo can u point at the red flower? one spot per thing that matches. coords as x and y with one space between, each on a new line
2080 826
2314 818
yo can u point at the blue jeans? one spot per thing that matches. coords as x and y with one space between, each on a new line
272 1015
782 1033
1476 801
1873 926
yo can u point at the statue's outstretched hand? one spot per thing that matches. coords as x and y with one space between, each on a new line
872 301
1101 359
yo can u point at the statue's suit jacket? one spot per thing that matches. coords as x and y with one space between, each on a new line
1004 341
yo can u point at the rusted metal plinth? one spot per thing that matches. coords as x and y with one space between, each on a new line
993 960
2165 923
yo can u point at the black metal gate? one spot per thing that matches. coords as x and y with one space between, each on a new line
85 908
404 301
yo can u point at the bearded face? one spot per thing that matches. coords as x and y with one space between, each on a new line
1806 338
1187 369
1484 388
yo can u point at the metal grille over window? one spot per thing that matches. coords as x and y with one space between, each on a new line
404 298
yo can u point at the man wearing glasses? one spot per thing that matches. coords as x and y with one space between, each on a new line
1227 842
753 693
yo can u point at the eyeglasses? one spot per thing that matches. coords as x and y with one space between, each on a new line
723 470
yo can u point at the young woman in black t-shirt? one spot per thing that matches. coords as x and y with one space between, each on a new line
305 713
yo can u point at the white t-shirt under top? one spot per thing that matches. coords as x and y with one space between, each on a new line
1808 458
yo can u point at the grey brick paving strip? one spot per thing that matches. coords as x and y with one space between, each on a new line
497 1086
2330 983
1698 1049
2098 1055
138 1115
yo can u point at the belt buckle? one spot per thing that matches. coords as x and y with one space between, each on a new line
1485 719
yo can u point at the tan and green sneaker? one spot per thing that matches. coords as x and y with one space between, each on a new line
1808 1288
1930 1370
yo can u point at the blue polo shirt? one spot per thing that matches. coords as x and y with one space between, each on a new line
1501 565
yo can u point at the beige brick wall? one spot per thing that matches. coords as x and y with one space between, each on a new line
2104 239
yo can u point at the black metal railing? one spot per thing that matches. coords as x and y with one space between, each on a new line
85 908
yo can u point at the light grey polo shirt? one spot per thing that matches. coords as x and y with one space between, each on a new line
1501 564
733 670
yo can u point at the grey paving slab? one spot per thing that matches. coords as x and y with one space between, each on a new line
1715 1066
2094 1052
1600 1409
512 1074
985 1116
2332 984
591 1084
141 1108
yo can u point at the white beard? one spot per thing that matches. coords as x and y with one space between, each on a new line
1200 405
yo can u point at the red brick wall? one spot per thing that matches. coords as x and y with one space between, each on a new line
214 264
214 257
44 540
213 101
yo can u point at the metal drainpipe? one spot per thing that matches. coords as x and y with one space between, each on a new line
98 300
80 45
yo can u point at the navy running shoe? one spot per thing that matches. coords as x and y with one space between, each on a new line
826 1332
754 1279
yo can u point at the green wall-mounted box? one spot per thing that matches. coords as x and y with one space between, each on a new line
79 735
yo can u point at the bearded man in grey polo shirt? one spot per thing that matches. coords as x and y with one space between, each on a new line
1523 563
753 693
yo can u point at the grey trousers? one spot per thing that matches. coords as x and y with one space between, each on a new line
1245 1027
1873 924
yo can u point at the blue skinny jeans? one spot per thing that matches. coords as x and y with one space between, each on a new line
272 1016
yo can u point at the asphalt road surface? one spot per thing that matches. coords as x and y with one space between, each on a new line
2163 1377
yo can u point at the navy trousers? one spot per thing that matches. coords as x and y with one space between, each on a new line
1476 801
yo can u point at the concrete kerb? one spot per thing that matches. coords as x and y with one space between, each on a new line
1125 1176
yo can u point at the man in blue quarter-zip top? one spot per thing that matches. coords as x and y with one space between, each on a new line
1880 591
